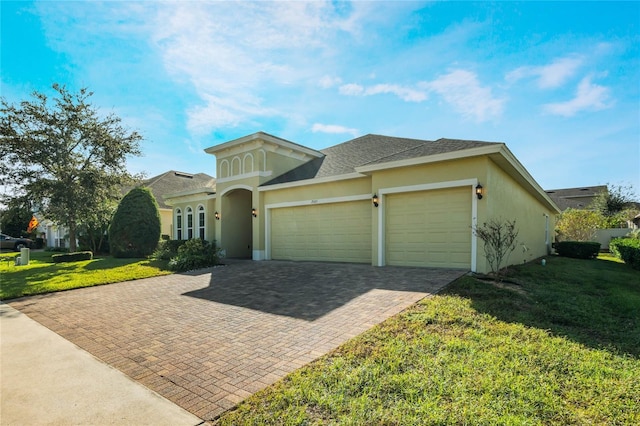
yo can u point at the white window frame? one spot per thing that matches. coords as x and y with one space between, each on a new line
202 224
178 221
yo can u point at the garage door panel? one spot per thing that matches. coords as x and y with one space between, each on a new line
336 232
429 228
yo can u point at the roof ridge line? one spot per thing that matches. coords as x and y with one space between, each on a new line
422 142
157 178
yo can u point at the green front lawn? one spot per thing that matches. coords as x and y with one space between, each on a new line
44 276
558 344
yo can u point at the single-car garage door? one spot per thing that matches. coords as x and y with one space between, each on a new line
335 232
429 228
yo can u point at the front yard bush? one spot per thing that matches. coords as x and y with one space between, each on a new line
578 249
135 227
627 249
72 257
194 254
168 249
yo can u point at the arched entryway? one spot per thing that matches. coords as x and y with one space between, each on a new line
236 224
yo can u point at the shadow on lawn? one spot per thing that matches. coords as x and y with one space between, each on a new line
592 302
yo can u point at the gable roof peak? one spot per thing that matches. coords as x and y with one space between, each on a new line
264 137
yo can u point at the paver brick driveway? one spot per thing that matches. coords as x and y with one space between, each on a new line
208 340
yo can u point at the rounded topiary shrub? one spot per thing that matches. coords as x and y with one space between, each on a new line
135 227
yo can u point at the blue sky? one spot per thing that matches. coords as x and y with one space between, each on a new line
559 83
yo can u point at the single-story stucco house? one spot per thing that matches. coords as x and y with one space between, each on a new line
375 199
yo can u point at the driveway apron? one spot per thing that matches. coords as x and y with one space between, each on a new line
209 339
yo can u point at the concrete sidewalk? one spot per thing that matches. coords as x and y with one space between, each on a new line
47 380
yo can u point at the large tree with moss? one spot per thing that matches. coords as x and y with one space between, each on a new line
64 155
135 227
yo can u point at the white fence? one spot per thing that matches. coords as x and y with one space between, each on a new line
603 236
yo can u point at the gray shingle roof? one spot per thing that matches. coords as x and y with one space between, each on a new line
173 181
441 146
575 198
371 149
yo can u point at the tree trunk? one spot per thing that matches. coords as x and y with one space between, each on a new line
72 237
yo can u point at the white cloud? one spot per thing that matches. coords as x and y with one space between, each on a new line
327 82
589 97
459 88
237 50
405 93
548 76
351 89
333 129
462 90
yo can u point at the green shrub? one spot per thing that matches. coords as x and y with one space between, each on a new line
135 227
72 257
167 249
627 249
634 234
194 254
578 249
57 249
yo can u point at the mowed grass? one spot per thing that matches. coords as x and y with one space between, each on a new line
557 345
44 276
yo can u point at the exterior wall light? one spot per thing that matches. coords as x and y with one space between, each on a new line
254 213
217 215
375 200
479 191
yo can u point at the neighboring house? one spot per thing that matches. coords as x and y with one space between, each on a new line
575 198
377 200
160 185
171 182
54 235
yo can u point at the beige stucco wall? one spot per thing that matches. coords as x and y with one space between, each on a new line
209 208
258 160
166 222
505 199
342 188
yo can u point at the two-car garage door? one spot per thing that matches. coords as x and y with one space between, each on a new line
332 232
424 228
429 228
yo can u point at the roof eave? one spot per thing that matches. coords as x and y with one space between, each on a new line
312 181
266 138
446 156
197 191
498 152
509 163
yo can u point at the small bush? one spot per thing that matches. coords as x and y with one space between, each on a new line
627 249
578 249
194 254
167 249
72 257
57 249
